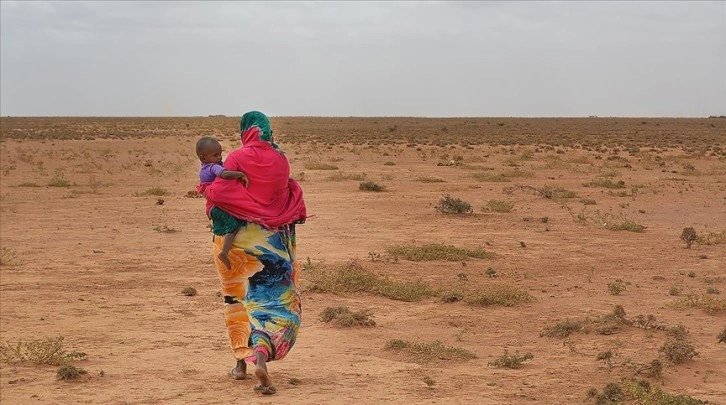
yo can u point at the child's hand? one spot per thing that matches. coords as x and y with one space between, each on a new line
245 181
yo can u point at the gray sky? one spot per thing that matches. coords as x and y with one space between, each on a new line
363 58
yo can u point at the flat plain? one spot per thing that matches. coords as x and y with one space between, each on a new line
558 242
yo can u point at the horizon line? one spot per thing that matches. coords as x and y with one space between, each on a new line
373 116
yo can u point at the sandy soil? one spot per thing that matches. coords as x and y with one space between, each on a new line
87 262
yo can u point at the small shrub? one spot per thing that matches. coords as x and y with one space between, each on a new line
69 372
564 328
616 288
48 351
712 290
587 201
28 185
678 351
557 192
499 206
189 291
510 361
689 236
674 290
678 332
371 186
59 181
389 163
429 381
722 336
450 205
342 316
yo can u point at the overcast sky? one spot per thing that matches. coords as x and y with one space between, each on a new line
363 58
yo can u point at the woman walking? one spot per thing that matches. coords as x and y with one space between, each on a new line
262 302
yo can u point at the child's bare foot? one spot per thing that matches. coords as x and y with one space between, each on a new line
265 387
224 258
239 372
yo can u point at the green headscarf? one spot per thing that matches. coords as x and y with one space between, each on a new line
257 119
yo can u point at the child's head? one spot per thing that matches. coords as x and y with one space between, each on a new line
209 150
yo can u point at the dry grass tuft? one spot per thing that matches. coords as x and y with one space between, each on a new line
708 304
342 316
352 277
424 353
436 251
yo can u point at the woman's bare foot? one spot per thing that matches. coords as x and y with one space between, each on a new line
239 372
265 387
224 258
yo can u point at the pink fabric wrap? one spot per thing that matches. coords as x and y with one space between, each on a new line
271 198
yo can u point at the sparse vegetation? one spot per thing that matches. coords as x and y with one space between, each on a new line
436 251
678 351
352 277
340 176
342 316
424 353
155 191
429 179
490 177
510 360
8 256
497 294
58 181
708 304
498 206
689 236
165 229
712 238
189 291
319 166
69 372
48 351
616 287
638 391
565 328
371 186
605 182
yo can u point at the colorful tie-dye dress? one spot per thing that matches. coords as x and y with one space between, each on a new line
262 302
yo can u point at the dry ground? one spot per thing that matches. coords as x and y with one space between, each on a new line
88 258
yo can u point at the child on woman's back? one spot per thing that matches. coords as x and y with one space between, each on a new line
209 151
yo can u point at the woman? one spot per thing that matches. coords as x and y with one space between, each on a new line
262 303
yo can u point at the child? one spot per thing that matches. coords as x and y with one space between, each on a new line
210 154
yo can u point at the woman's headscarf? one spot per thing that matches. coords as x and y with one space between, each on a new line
255 126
